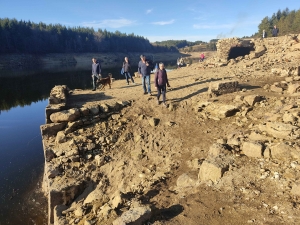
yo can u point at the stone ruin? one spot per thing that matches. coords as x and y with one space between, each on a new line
231 48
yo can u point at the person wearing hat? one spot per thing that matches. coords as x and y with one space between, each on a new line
144 70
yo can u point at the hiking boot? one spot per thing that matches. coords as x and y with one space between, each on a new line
94 89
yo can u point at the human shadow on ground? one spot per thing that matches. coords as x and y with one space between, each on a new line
189 95
192 84
166 214
248 87
79 100
162 214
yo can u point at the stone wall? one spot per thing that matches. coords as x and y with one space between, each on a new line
63 180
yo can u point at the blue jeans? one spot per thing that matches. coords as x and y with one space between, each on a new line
128 76
161 89
94 80
146 81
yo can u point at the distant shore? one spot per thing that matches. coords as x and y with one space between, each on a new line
76 60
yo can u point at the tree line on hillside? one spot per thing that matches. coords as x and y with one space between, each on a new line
189 46
285 20
38 38
177 43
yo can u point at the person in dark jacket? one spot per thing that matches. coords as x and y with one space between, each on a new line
126 68
144 70
275 31
160 81
96 72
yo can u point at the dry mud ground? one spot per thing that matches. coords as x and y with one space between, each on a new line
180 143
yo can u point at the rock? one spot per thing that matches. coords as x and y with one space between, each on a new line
73 126
223 87
84 111
104 108
280 151
60 137
52 128
105 210
99 160
252 149
252 99
97 194
49 155
116 199
79 212
288 118
134 216
94 109
233 141
185 181
279 130
254 136
293 88
225 111
212 170
153 121
65 116
296 189
276 89
217 149
116 116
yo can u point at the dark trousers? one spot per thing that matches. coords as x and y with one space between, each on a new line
161 89
128 76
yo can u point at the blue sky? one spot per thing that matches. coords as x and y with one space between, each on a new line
156 20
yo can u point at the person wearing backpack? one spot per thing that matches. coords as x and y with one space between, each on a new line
126 70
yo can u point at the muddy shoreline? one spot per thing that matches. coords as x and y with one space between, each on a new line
74 61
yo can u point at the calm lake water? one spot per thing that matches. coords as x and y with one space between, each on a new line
23 99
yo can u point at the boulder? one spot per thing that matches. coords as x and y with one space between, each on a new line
134 216
252 99
52 128
65 116
252 149
212 170
153 121
280 130
185 181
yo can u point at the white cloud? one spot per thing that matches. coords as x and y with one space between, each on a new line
116 23
163 22
149 11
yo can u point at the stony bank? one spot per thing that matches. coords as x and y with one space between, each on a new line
225 150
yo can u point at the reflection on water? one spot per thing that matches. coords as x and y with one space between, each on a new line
21 160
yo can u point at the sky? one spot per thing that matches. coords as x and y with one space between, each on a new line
156 20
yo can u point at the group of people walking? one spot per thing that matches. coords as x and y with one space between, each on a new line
144 70
275 32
